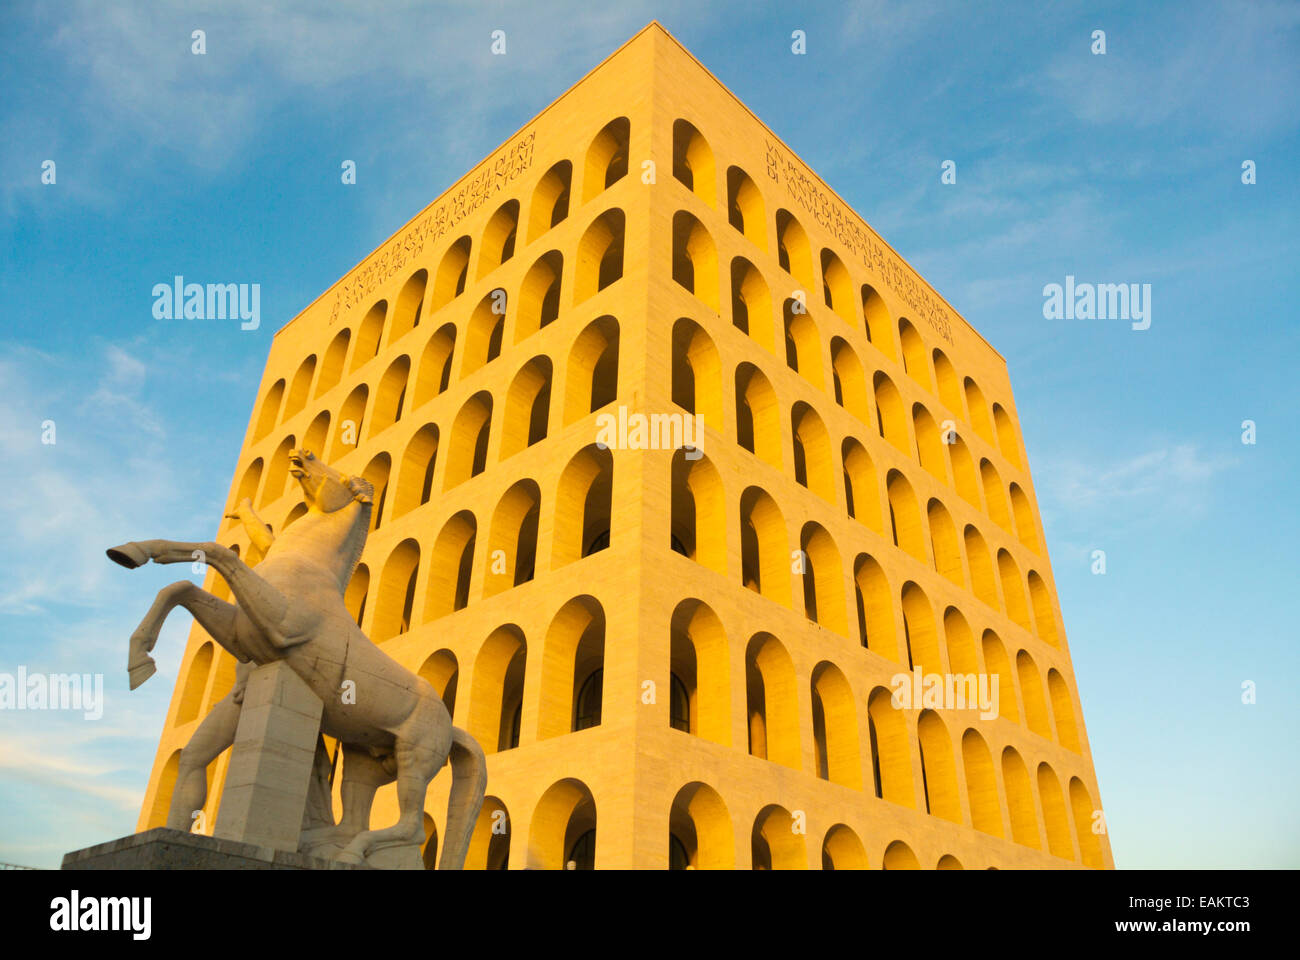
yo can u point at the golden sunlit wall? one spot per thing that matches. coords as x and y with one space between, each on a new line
675 660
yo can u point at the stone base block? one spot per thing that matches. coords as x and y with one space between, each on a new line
164 849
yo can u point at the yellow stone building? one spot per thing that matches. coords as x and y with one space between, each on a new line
681 656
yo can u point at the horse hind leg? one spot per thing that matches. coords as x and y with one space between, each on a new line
216 616
416 767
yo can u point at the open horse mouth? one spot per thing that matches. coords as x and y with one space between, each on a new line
295 466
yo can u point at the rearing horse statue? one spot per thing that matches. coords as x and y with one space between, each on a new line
394 726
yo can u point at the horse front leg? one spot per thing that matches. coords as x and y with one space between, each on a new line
216 616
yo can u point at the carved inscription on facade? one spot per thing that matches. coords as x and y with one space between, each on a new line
487 179
808 192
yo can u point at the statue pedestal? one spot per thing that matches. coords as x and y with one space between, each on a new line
270 769
163 849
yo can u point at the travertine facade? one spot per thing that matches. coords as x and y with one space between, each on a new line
692 650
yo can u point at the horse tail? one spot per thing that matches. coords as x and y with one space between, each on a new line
468 784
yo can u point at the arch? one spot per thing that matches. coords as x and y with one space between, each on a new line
572 654
981 568
390 397
875 608
550 203
794 251
891 415
698 521
837 286
994 495
409 305
905 516
962 658
1023 514
764 548
358 590
751 304
773 845
277 472
861 491
699 821
981 785
842 850
948 862
697 372
247 489
497 689
700 662
915 360
997 664
500 237
377 472
1063 711
1059 842
919 630
929 444
1084 812
395 600
270 412
297 513
978 410
483 333
369 335
899 856
539 295
467 451
948 384
300 387
489 844
451 276
528 407
745 209
848 380
1013 589
802 342
963 471
606 161
451 566
600 255
1044 610
823 579
512 542
814 466
435 364
835 727
693 162
347 430
772 702
876 323
695 259
891 755
441 671
332 366
1008 442
563 828
944 543
317 434
1020 800
415 475
938 767
1031 692
196 682
583 501
592 378
758 417
162 798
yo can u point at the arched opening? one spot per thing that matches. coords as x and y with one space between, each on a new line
773 845
395 601
500 237
948 862
247 489
745 210
300 387
487 325
317 434
929 444
1020 800
539 295
758 416
949 386
369 335
441 671
550 203
573 659
1086 819
848 380
1059 842
981 785
695 259
606 158
697 372
861 491
528 407
793 250
592 378
891 416
842 850
875 608
764 548
451 566
905 516
835 727
938 768
377 472
914 355
944 543
1044 609
497 690
963 661
751 304
772 702
358 590
1031 692
270 413
823 579
891 754
390 397
802 342
1008 442
489 844
600 255
332 367
978 410
981 568
1013 589
562 835
899 856
700 835
512 544
876 322
467 452
451 275
162 798
1026 527
583 501
196 681
837 287
693 162
277 472
410 303
963 471
994 496
814 466
415 476
1063 711
698 524
347 430
919 631
699 673
998 665
435 364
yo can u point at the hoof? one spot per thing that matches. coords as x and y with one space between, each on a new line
140 672
347 856
128 555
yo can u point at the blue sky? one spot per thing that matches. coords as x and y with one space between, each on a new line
1122 168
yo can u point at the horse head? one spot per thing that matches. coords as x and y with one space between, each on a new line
324 488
